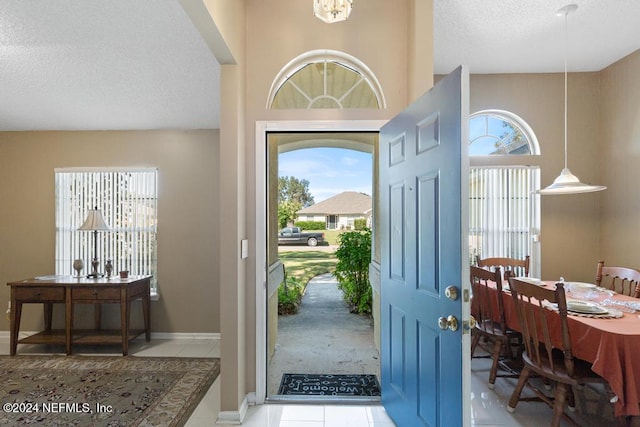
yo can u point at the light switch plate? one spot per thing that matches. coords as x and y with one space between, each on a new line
244 249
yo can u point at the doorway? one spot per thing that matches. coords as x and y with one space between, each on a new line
320 336
267 276
332 222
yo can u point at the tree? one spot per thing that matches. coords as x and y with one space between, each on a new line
291 189
293 195
287 212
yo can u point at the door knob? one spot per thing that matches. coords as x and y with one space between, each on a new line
449 322
451 292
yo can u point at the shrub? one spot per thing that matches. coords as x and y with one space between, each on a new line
360 223
311 225
352 269
300 267
289 296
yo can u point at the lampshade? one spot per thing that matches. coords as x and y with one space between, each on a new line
567 183
331 11
94 221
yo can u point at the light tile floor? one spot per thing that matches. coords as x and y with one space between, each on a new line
488 407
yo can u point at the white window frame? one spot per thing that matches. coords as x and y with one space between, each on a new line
522 203
502 211
324 57
517 122
131 242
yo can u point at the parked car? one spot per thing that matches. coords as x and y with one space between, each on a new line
293 236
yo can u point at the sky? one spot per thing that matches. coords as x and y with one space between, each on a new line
329 170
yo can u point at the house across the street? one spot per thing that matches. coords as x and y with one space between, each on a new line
340 211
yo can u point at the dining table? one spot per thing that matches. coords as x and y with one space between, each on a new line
609 338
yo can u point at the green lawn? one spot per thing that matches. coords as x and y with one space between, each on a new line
300 267
304 265
330 236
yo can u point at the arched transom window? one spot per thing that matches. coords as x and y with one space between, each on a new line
495 132
325 79
503 220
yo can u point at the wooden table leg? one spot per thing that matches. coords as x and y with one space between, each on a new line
68 320
146 303
48 315
16 312
124 320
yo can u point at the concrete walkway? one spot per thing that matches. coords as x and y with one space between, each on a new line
324 337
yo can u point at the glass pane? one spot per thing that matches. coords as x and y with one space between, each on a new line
325 102
310 80
483 146
491 134
289 97
325 84
360 97
477 127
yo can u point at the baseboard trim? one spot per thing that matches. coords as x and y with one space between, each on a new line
184 335
154 335
234 417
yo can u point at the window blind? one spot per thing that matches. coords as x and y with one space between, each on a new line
500 211
128 200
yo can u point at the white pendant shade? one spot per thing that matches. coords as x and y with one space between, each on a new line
567 183
331 11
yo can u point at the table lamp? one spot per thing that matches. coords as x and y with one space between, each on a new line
94 222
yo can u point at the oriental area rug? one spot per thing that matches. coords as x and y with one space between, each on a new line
329 385
102 391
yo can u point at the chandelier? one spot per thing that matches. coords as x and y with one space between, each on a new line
331 11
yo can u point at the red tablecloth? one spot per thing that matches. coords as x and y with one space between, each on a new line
611 345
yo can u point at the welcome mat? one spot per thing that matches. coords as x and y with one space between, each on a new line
329 385
102 391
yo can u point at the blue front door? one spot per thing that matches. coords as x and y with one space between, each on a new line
424 258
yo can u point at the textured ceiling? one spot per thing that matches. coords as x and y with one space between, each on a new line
96 64
124 64
526 36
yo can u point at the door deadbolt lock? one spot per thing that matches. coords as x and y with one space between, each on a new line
449 322
451 292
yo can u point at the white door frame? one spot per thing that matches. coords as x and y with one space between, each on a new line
262 127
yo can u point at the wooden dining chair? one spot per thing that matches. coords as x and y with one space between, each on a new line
512 266
621 280
487 307
540 324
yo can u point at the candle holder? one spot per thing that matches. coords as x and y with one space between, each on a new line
78 265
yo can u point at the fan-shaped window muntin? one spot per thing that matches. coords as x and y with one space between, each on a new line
500 133
325 79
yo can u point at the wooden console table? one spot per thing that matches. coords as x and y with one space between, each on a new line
48 290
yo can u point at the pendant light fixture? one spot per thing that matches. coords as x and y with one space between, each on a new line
567 183
331 11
